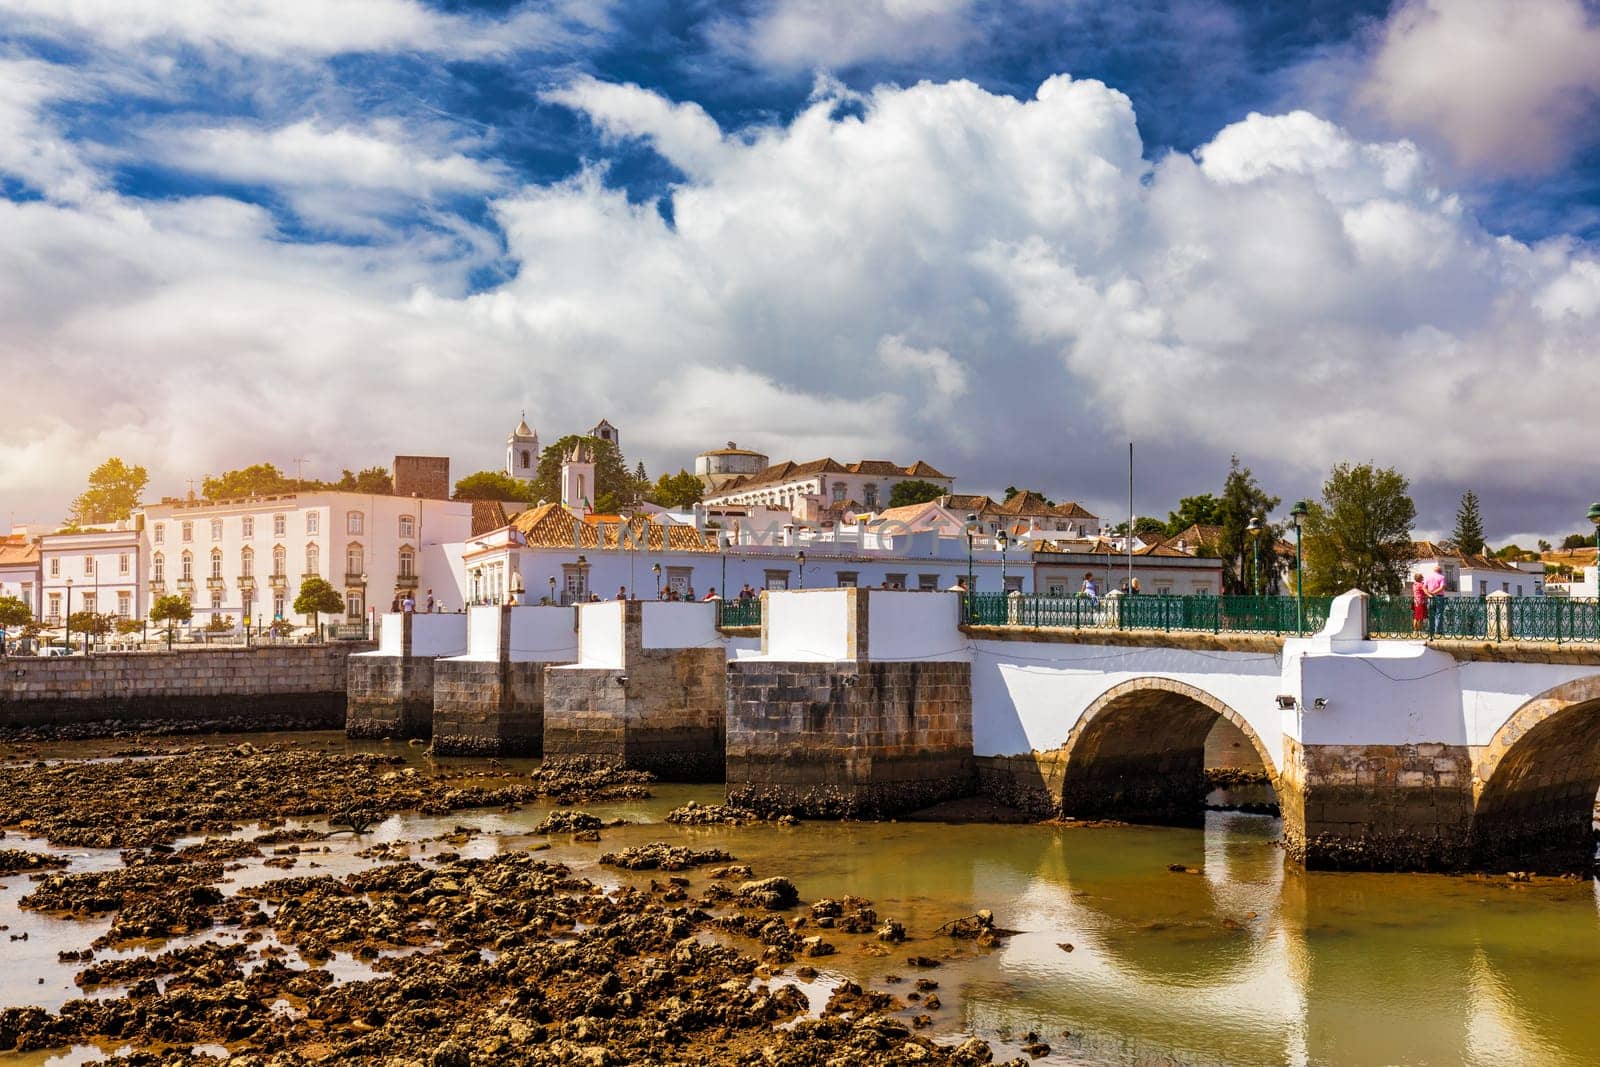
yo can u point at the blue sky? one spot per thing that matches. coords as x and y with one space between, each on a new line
1002 237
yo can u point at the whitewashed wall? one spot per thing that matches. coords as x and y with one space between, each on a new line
679 625
543 635
483 633
391 635
438 635
914 626
808 626
600 629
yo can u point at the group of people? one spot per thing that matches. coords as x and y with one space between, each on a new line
1422 591
407 603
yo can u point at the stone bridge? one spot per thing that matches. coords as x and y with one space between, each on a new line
1381 754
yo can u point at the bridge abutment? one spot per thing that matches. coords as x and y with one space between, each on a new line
490 702
390 691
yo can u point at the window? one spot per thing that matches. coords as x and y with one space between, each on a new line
89 603
279 558
125 604
161 533
679 579
277 605
527 457
158 568
1163 588
122 563
248 526
216 529
408 562
355 560
187 530
188 567
1505 587
247 562
869 494
849 579
928 583
313 560
777 579
895 581
88 564
352 605
1013 584
55 607
838 492
216 563
352 522
571 581
216 600
313 523
1058 588
55 568
408 526
27 594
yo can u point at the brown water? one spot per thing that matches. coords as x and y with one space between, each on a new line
1248 961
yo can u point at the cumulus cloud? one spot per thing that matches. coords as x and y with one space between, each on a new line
998 285
1510 87
806 34
303 28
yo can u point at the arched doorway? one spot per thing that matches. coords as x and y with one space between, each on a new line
1536 782
1139 752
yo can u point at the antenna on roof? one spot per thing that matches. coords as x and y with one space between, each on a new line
299 462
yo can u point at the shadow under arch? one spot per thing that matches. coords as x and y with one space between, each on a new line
1138 752
1535 783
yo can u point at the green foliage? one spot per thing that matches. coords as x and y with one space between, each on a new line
14 612
613 489
91 622
915 491
679 490
1468 534
1144 527
1202 510
491 485
113 493
1359 536
1012 491
1544 546
1512 553
317 597
129 626
260 479
1577 540
1242 500
171 608
219 624
374 480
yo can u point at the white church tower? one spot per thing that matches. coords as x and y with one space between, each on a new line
522 451
577 478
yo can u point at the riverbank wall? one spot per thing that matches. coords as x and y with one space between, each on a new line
262 688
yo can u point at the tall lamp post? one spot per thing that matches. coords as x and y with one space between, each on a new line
800 558
1297 515
553 599
1594 517
366 634
1254 530
67 637
655 569
1001 541
722 543
972 537
583 578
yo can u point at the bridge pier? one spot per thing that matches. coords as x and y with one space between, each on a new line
860 706
648 690
490 702
390 691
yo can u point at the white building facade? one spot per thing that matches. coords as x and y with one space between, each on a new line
92 570
811 487
19 571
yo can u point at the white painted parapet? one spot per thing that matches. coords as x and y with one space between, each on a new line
542 635
679 625
914 626
602 634
437 635
809 625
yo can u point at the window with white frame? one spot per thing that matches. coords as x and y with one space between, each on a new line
928 583
1013 584
216 529
247 526
55 568
313 523
355 558
158 567
408 562
216 600
124 604
869 494
55 607
247 561
680 579
122 563
160 534
278 602
90 603
408 526
895 581
187 531
88 564
352 605
280 525
313 560
776 579
353 522
849 579
188 567
279 560
216 563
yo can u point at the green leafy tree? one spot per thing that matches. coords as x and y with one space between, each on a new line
92 622
14 612
1202 510
1359 535
491 485
317 598
129 626
259 479
1544 546
1468 534
915 491
613 488
373 480
171 609
1012 491
1144 527
1578 540
1244 499
679 490
114 491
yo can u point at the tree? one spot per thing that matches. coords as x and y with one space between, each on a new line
113 493
1144 527
171 609
91 622
14 612
1572 541
258 479
317 598
1202 510
373 480
1012 491
1544 546
915 491
1468 534
613 485
1359 536
1242 500
491 485
679 490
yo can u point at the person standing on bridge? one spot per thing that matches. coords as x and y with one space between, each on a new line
1419 603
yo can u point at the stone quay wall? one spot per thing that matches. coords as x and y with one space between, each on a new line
488 708
259 688
390 697
848 740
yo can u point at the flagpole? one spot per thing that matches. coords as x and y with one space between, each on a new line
1130 516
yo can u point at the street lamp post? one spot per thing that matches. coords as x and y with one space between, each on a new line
1594 517
972 537
800 558
655 569
366 635
1254 530
722 543
553 600
1297 515
67 637
1001 540
583 578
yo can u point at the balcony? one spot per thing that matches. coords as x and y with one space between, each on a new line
355 580
278 581
246 581
216 583
406 581
185 585
158 586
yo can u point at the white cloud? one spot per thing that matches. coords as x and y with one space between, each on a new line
807 34
1509 87
993 284
309 28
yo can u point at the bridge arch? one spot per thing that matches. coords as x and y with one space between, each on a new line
1138 751
1534 784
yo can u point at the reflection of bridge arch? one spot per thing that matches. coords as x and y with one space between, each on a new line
1138 751
1534 784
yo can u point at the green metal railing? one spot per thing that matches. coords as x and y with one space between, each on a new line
1558 620
1212 614
741 612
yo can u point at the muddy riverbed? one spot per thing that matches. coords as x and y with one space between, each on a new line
217 902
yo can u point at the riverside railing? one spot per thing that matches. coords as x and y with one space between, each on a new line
1556 620
741 612
1209 614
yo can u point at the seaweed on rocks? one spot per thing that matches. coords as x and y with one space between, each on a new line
658 855
17 861
577 778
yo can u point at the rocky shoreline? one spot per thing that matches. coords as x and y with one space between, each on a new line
508 959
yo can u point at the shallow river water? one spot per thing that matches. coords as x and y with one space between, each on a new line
1242 959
